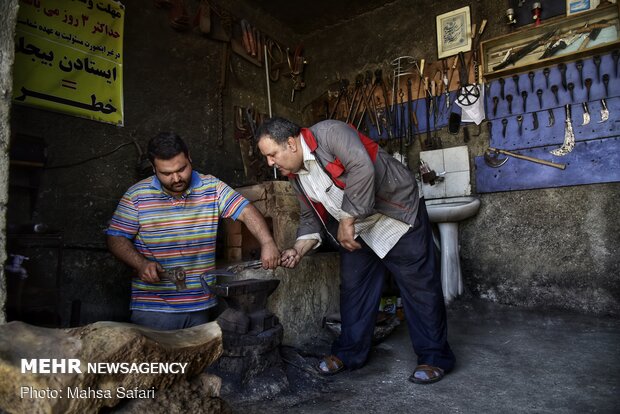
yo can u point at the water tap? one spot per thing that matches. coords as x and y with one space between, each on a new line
16 267
430 176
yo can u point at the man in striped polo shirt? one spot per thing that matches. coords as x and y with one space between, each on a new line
170 220
382 225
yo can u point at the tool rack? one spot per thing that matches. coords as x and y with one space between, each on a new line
596 156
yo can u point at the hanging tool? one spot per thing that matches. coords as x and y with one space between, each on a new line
296 65
386 112
586 113
445 81
520 123
436 94
579 66
436 140
438 90
402 66
524 98
495 102
491 158
468 93
428 143
604 111
369 103
515 79
554 89
354 100
452 70
509 100
534 121
606 83
562 68
474 50
531 76
401 124
569 136
501 87
546 72
588 83
275 59
571 87
342 90
504 125
413 122
245 35
359 83
551 118
539 93
597 62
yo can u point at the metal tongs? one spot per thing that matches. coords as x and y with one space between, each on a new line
238 267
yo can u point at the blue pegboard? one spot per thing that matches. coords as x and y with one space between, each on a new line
593 140
589 162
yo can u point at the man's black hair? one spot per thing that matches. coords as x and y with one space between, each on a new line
279 129
165 146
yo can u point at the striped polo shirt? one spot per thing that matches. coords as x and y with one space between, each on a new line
175 231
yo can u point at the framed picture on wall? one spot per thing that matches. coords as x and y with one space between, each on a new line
453 32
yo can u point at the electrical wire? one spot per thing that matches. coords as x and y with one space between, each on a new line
96 157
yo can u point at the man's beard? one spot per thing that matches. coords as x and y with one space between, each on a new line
178 187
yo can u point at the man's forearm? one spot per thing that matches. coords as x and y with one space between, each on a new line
303 246
255 222
123 249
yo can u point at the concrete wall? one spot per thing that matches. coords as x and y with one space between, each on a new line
8 13
551 247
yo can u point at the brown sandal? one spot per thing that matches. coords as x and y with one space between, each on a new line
330 365
426 374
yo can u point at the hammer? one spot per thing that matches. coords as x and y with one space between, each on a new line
492 160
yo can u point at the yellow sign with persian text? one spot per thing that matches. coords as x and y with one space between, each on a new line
69 57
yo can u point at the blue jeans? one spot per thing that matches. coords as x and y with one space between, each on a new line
169 321
413 263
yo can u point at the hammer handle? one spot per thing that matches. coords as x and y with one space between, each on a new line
532 159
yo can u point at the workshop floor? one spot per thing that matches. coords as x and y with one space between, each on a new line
509 360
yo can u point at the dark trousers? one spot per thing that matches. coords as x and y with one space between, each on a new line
162 321
415 268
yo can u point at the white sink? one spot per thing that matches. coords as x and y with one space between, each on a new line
447 212
443 210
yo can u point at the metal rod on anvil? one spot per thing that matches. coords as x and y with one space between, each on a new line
275 171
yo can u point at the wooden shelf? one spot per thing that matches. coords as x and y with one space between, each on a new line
493 51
